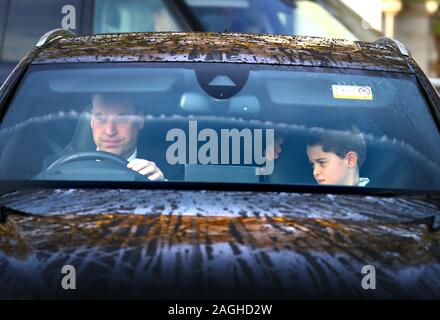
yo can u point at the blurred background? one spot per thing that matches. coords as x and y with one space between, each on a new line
416 23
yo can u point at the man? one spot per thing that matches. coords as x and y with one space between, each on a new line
116 124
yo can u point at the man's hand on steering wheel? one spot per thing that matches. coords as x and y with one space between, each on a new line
147 169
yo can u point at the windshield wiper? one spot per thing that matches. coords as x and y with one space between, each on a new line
436 222
435 200
435 217
433 220
3 216
5 212
430 198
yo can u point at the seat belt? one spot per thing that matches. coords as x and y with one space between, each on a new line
55 147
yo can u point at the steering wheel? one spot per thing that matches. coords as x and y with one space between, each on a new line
88 155
96 165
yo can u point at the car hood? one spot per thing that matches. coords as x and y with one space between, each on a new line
210 244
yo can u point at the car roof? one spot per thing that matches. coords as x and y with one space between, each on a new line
224 48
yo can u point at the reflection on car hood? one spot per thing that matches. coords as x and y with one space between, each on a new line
214 203
186 244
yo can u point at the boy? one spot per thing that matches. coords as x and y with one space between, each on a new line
336 157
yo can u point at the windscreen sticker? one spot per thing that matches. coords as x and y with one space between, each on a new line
352 92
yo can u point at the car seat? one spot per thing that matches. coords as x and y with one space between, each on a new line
385 167
292 166
82 139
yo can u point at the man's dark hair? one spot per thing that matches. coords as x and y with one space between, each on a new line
340 142
118 97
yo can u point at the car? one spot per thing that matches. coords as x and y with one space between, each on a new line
22 22
236 188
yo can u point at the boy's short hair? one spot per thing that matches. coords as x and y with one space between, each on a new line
340 142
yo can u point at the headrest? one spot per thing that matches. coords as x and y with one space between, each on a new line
194 102
244 105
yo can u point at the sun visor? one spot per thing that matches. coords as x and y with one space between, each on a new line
333 90
106 80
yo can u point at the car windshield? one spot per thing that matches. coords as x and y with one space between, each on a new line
220 123
300 17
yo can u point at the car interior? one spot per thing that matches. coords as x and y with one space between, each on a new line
57 123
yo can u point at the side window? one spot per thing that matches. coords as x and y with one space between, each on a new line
132 16
28 20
